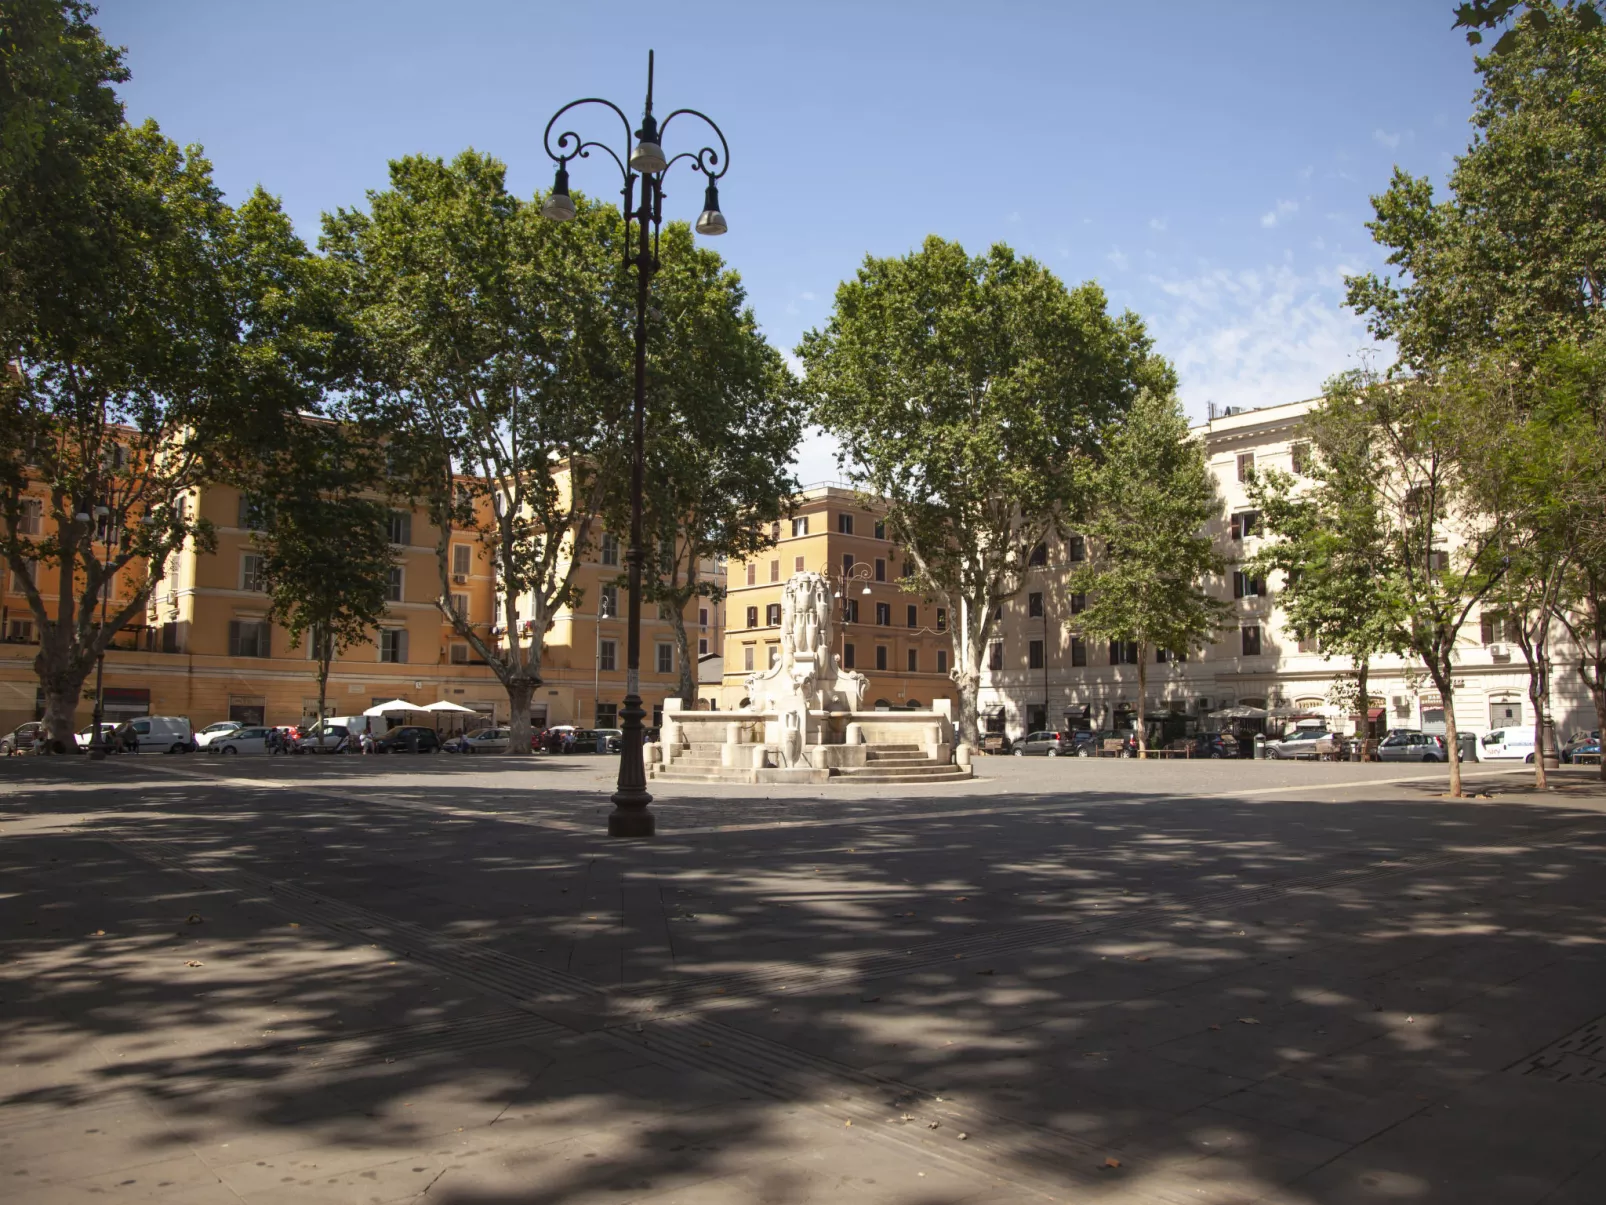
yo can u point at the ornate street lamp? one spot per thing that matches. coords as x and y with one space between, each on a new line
644 158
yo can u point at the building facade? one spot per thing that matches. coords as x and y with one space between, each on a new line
208 651
1038 673
896 638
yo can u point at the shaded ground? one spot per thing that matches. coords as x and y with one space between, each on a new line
423 979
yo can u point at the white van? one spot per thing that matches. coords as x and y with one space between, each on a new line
161 734
1507 744
355 724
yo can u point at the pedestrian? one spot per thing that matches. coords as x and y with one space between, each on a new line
367 741
274 737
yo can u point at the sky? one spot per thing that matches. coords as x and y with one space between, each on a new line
1210 165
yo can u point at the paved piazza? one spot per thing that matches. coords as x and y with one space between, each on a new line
432 979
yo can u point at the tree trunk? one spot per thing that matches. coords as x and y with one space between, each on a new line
1450 737
1539 696
1597 691
519 692
325 654
63 689
967 670
1363 671
688 663
1143 688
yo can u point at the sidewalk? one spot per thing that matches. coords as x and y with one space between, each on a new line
1095 982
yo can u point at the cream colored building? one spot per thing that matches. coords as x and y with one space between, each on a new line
896 638
1037 674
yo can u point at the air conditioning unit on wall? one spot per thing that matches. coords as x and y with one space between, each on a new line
1499 650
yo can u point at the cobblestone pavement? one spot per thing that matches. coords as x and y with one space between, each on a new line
431 979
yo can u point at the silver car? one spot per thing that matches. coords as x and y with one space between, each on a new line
486 740
1307 742
242 740
1411 746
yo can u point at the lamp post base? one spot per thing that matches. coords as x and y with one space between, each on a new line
631 822
630 817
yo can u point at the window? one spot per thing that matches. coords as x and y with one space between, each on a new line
250 516
844 524
880 529
496 612
1078 651
800 525
1034 605
1301 453
1438 561
702 646
1246 465
1251 641
20 631
607 715
752 617
847 656
752 573
393 645
608 603
942 661
1039 555
462 561
393 584
459 653
880 569
847 564
401 527
914 661
1123 652
666 658
251 573
775 571
883 614
1499 629
1246 586
772 615
1076 548
995 655
914 616
775 531
1311 644
702 617
881 656
797 565
1078 603
942 619
460 606
1165 656
747 658
1245 523
32 519
1034 654
774 651
608 655
248 638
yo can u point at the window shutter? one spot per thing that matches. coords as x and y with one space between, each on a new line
1487 623
1237 527
1237 585
234 637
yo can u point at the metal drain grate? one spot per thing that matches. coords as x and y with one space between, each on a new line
1579 1058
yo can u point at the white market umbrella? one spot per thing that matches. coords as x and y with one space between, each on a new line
393 705
447 705
1240 712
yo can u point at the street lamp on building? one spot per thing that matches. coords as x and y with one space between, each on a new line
643 159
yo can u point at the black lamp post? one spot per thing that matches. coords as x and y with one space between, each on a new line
643 159
97 740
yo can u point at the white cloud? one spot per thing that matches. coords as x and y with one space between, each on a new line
1384 138
806 295
1014 216
1256 337
815 459
1305 173
1117 257
1271 217
1158 224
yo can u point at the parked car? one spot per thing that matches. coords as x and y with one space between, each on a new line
1046 744
486 740
1588 752
1577 741
241 740
1406 745
336 739
205 737
155 733
409 738
21 740
83 737
606 740
1304 742
1212 744
1507 744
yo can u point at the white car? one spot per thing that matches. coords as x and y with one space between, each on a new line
1507 744
242 740
83 738
486 740
213 732
158 734
1307 742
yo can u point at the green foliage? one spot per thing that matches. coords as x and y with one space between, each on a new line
325 540
1154 498
1477 15
974 394
722 425
1515 260
493 343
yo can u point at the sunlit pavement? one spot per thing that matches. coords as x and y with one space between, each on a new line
376 979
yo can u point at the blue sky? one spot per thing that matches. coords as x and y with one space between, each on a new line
1209 164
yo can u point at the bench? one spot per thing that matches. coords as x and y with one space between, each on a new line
1111 747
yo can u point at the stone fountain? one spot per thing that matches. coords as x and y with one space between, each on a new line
803 721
